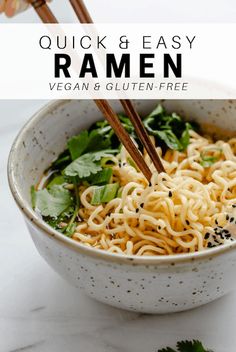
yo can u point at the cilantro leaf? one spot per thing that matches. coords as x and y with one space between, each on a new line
57 180
101 178
169 138
170 129
104 129
104 194
64 217
87 164
97 142
86 142
78 144
184 140
104 153
187 346
52 202
70 228
83 167
191 346
159 110
63 159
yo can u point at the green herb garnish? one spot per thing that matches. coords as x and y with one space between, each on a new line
101 178
88 160
104 194
87 164
86 142
70 228
77 144
52 202
57 180
187 346
208 160
169 128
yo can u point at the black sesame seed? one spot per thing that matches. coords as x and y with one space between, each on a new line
170 194
150 184
216 222
136 210
227 217
231 219
141 205
119 164
187 222
207 235
159 227
234 205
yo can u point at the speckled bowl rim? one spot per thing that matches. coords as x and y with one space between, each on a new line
36 221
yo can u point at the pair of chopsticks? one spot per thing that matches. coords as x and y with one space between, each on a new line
83 15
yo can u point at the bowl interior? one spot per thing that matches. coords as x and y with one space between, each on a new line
46 134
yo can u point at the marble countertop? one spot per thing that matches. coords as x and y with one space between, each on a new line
39 312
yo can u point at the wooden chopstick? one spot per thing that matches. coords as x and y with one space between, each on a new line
47 16
142 133
43 11
82 13
84 17
124 137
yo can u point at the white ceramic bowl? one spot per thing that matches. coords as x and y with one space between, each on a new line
145 284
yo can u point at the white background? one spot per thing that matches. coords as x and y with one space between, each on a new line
208 65
38 310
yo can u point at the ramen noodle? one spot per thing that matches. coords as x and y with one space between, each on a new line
178 212
188 208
